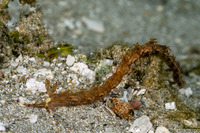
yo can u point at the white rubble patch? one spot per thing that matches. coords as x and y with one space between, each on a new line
23 100
70 60
2 128
170 106
141 125
78 67
22 70
162 129
93 25
188 92
33 118
44 72
33 86
83 70
108 62
73 78
89 74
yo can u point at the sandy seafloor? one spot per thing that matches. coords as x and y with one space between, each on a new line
174 23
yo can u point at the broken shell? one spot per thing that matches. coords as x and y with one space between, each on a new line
122 108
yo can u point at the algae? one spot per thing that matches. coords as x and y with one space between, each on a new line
62 49
4 3
15 36
30 2
40 39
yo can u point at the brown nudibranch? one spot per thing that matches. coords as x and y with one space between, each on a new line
96 93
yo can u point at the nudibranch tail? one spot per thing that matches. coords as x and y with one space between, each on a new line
45 103
40 104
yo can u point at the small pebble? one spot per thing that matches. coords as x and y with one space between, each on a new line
187 92
151 131
13 63
89 74
14 76
135 92
2 101
22 100
70 60
170 106
33 118
59 64
46 64
141 92
34 85
16 60
141 125
78 67
191 123
44 72
20 58
162 129
22 70
32 59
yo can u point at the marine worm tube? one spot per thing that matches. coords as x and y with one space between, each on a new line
96 92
